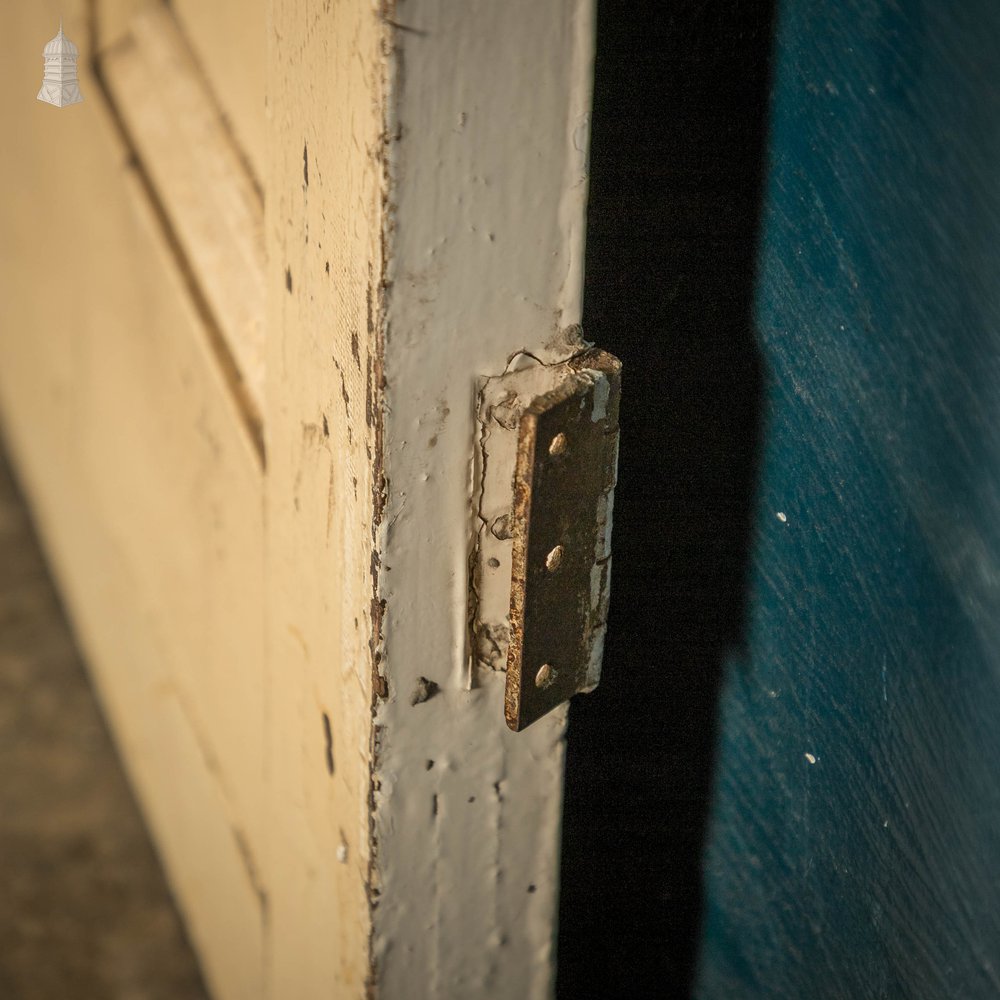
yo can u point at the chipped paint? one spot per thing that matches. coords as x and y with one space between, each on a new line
484 233
497 582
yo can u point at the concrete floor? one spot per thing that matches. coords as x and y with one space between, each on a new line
85 913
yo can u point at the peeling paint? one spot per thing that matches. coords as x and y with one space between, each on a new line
517 294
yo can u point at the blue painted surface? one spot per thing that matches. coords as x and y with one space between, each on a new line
873 639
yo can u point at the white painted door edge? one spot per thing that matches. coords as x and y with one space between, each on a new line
487 129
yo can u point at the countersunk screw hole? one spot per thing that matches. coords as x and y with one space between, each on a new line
554 559
545 676
558 444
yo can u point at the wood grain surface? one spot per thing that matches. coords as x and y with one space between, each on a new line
855 842
787 785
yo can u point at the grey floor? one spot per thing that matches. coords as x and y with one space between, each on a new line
85 913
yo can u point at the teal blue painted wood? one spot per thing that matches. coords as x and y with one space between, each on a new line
854 843
788 784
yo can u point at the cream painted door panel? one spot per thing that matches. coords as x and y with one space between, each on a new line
247 289
145 484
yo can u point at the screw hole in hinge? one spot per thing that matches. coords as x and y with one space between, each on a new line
554 559
546 675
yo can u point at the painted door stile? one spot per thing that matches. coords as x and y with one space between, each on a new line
489 131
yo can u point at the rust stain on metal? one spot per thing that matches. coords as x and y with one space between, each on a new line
563 490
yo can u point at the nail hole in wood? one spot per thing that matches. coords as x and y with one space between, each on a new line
328 733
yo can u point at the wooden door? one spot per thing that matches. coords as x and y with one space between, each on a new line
794 751
249 287
862 710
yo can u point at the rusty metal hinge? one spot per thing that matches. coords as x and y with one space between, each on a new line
546 468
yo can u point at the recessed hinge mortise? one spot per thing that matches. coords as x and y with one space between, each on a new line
547 462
